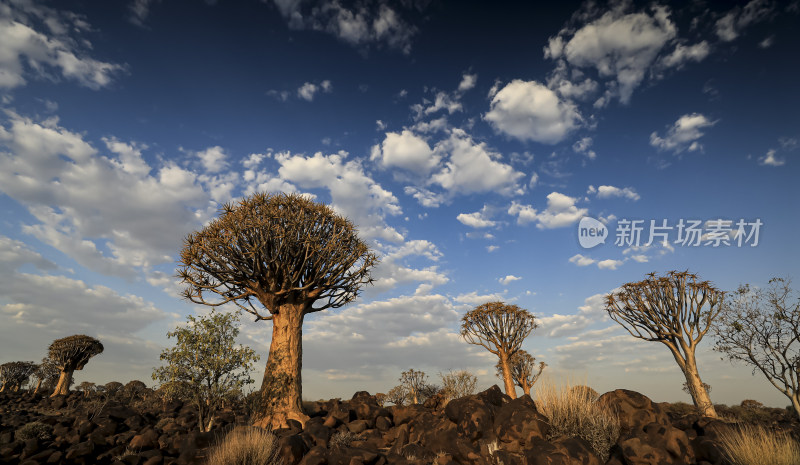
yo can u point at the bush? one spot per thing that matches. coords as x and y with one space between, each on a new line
572 413
751 404
34 430
342 439
245 446
754 445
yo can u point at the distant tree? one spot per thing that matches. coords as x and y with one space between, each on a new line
500 329
397 395
15 374
414 383
458 384
133 390
675 310
380 398
46 375
70 354
113 388
524 371
275 256
761 327
205 366
87 388
751 404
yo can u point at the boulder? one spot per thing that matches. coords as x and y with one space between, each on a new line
474 414
517 422
634 410
562 451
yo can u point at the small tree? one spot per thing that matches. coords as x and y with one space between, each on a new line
113 388
414 384
276 257
70 354
761 327
524 370
397 395
87 388
15 374
500 329
458 384
133 390
46 375
205 366
675 310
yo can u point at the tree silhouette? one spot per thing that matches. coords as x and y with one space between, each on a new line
524 371
500 329
15 374
275 257
761 327
70 354
46 375
675 310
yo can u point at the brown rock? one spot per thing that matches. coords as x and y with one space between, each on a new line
316 456
635 410
147 439
292 448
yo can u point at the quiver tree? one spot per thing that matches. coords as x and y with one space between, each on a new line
205 367
500 329
46 375
133 390
14 374
113 388
278 257
70 354
458 384
675 310
761 327
524 371
414 384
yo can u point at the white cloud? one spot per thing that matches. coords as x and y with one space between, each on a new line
406 151
730 26
560 212
471 167
771 160
683 54
582 146
491 248
473 298
213 159
394 271
478 219
309 90
605 192
683 135
591 312
467 82
425 197
25 51
618 45
581 260
609 264
508 279
528 110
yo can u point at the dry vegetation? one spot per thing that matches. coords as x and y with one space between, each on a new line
755 445
246 446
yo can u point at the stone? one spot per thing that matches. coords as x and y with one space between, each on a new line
147 439
80 450
291 449
634 410
316 456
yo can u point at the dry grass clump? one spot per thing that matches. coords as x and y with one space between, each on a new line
246 446
573 413
754 445
342 439
34 430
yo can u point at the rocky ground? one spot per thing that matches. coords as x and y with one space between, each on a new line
483 429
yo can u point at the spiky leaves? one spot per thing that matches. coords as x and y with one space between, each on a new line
676 310
205 366
14 374
761 327
524 370
70 354
278 257
276 250
500 329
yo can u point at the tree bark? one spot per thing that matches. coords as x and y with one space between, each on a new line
62 388
281 389
507 379
526 388
38 385
796 403
699 394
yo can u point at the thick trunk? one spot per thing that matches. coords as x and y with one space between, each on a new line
796 402
526 388
699 394
507 379
38 385
281 389
62 388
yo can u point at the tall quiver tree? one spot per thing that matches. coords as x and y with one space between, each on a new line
46 375
500 329
275 257
70 354
675 310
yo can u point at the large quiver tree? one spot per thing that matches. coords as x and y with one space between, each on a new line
500 329
70 354
675 310
278 257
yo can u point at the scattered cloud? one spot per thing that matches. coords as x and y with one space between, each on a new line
467 82
560 212
582 146
508 279
591 312
581 260
683 135
406 151
606 192
309 90
731 25
770 159
478 219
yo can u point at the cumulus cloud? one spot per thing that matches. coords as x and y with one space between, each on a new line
606 192
591 312
683 135
581 260
473 298
583 146
770 159
560 212
213 159
528 110
731 25
619 45
467 82
28 50
309 90
371 22
684 54
508 279
478 219
406 151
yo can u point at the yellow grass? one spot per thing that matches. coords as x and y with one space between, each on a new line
246 446
574 414
754 445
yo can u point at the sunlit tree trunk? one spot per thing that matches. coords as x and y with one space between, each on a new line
62 388
508 380
281 389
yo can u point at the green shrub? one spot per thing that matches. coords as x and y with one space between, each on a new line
34 430
754 445
246 446
572 413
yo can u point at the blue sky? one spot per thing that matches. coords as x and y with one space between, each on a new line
465 141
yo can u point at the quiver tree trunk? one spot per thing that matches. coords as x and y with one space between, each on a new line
698 392
281 389
508 380
64 380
